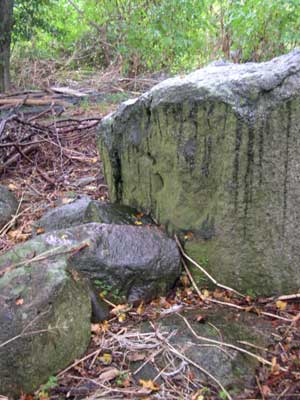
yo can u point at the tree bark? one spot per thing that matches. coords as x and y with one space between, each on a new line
6 22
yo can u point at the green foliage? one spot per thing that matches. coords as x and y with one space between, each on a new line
50 384
106 290
29 17
143 35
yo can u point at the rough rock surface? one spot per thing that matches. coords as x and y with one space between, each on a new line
84 210
216 153
50 282
108 213
130 262
8 205
64 216
235 370
44 323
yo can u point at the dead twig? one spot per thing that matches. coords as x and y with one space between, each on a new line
289 297
228 345
213 280
43 256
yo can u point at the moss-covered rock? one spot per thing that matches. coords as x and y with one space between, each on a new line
126 262
44 323
8 205
217 154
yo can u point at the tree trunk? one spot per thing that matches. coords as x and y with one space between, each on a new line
6 22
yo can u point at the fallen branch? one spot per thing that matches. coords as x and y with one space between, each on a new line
33 102
232 305
14 218
191 362
75 363
25 330
39 170
247 309
289 297
43 256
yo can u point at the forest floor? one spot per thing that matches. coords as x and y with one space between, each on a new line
49 153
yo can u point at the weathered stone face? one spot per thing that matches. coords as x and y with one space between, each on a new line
44 324
217 153
8 205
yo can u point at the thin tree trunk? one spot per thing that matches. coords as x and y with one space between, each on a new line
6 22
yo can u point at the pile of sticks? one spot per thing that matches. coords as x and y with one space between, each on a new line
46 146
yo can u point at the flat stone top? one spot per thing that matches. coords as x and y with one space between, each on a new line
233 82
251 89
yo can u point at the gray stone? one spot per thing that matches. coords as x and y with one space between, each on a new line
235 370
85 181
44 322
65 216
8 205
216 153
84 210
129 263
119 214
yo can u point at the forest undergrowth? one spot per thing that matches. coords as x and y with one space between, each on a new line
48 154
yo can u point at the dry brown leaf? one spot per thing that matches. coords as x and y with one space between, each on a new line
19 302
12 186
136 356
120 309
275 366
109 375
266 391
188 236
185 281
140 308
18 235
281 305
67 200
139 215
205 293
96 328
104 326
149 384
106 358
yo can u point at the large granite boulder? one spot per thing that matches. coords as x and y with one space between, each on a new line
8 205
45 315
216 154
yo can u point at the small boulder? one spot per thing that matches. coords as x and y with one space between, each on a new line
8 205
130 263
65 216
44 322
84 210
